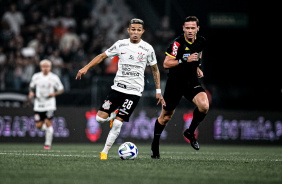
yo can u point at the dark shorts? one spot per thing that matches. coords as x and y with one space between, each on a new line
174 91
41 116
125 104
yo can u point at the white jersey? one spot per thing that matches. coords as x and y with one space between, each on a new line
44 85
133 59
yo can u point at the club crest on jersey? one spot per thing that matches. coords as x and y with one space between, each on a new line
107 105
140 56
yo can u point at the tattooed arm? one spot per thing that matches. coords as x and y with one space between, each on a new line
156 75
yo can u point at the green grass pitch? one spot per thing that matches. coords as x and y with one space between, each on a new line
80 163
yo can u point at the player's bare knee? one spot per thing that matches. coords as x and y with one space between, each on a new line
164 119
39 125
167 118
204 108
48 122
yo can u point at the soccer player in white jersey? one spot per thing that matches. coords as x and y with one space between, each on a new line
134 55
44 86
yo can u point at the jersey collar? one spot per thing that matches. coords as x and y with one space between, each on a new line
187 40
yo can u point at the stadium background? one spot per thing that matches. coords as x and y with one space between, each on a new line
245 94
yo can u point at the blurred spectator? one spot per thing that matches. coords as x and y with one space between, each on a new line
165 34
3 62
70 40
19 41
57 62
5 34
33 24
60 30
49 45
68 21
31 60
14 19
34 43
51 20
18 70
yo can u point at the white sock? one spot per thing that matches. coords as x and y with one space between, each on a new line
113 115
102 120
43 126
113 134
49 136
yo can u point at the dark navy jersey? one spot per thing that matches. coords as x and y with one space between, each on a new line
181 48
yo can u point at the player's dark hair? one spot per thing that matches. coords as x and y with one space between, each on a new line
192 19
136 21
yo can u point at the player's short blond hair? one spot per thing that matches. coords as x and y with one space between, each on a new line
45 61
136 21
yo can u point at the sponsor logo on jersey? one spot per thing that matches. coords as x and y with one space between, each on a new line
130 66
121 85
185 56
130 73
123 44
152 57
143 48
112 48
107 105
175 49
140 56
131 57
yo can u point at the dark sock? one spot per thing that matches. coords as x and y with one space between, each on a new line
157 132
197 118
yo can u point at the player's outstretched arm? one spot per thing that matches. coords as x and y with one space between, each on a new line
98 59
156 74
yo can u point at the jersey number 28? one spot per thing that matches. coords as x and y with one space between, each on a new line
127 104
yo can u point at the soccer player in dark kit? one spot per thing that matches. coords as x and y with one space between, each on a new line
183 59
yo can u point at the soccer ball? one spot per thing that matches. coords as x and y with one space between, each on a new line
127 151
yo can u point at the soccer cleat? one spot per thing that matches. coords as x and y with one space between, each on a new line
103 156
193 141
113 116
155 153
47 147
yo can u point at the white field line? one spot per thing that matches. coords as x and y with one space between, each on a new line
47 154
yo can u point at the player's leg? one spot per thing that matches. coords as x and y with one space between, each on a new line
103 117
49 129
202 103
39 125
48 133
107 111
127 106
172 96
159 127
39 120
113 134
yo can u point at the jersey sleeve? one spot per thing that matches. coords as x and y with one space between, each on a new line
172 50
58 84
152 60
32 82
113 50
